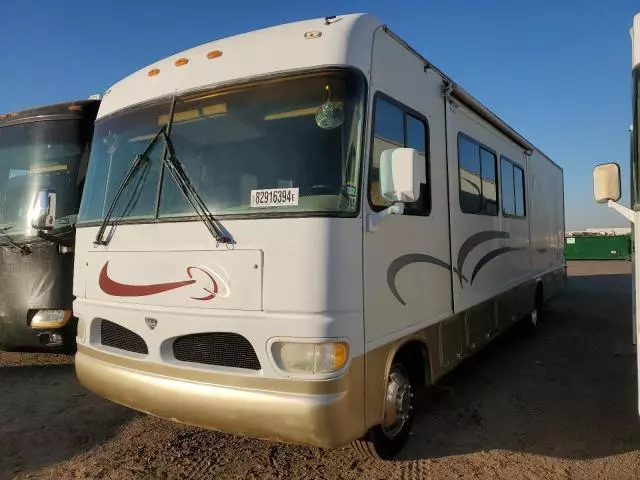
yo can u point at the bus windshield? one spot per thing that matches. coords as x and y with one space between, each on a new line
300 136
36 156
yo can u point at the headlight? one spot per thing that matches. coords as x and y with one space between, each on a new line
50 318
310 358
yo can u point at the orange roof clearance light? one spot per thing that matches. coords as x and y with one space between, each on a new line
153 72
214 54
181 61
74 108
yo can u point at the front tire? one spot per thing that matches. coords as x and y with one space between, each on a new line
386 440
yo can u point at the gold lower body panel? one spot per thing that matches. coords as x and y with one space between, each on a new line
326 413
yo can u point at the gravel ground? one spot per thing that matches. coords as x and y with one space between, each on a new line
559 404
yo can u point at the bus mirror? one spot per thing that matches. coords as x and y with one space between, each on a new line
401 173
606 182
43 212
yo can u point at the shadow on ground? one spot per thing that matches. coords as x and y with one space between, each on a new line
567 391
46 416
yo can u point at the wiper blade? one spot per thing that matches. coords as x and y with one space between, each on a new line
176 170
24 250
137 161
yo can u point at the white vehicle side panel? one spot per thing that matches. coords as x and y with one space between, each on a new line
546 204
424 287
504 271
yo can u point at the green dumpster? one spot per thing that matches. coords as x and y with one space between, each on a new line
598 247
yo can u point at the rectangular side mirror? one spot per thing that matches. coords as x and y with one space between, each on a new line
43 212
401 173
606 182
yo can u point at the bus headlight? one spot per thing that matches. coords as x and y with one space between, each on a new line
310 358
50 319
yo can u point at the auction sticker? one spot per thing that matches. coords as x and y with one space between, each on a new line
274 197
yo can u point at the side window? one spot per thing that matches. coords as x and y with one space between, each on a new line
513 189
478 179
395 127
518 184
388 133
489 183
508 192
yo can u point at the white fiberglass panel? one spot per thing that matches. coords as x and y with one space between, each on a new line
228 279
345 40
310 265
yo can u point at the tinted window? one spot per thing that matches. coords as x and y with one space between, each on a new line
518 183
389 123
478 185
513 189
489 184
416 135
394 127
508 197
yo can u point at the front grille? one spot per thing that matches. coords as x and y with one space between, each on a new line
116 336
216 348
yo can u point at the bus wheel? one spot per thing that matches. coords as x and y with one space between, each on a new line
386 440
531 320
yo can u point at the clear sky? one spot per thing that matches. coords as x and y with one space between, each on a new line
558 71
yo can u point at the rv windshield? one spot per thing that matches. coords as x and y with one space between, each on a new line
300 136
35 156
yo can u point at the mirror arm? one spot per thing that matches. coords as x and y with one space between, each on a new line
622 210
373 219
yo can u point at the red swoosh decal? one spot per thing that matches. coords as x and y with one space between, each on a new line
212 293
117 289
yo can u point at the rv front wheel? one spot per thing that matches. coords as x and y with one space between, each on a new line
386 440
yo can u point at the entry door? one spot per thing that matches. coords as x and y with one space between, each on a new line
407 273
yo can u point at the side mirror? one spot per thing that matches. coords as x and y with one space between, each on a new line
606 182
43 212
401 173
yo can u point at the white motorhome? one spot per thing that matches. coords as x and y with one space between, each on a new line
607 181
286 233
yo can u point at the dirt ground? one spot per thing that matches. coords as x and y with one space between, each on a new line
560 404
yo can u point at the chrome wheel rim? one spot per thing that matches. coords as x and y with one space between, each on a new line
399 402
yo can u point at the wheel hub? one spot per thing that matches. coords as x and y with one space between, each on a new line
398 402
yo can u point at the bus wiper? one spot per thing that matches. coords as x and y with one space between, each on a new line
139 159
176 170
24 250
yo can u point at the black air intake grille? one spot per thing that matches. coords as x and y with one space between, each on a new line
216 348
116 336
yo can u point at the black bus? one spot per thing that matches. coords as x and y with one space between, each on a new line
43 160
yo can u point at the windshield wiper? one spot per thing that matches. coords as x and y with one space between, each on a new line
24 250
137 161
176 170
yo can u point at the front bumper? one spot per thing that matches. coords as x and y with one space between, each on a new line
328 413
